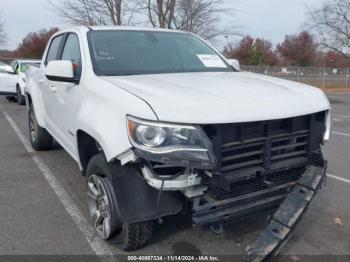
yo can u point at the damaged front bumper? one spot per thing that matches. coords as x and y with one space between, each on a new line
288 215
292 199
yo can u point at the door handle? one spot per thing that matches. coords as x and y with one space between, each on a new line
53 88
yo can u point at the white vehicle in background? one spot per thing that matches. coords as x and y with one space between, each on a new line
20 67
8 79
161 123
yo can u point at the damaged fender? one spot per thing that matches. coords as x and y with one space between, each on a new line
137 200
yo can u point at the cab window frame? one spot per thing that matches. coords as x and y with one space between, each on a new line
63 45
59 50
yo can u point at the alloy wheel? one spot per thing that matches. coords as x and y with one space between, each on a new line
99 207
32 125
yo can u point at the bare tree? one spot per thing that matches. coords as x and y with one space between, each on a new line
97 12
202 17
161 12
331 25
3 36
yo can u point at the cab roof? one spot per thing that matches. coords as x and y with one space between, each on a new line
123 28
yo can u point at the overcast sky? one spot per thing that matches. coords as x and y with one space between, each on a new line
270 19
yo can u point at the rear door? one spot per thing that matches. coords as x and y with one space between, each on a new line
7 80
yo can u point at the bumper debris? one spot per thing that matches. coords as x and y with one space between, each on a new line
288 215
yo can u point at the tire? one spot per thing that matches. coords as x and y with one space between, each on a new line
40 139
104 210
20 98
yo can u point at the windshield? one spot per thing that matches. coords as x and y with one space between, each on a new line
24 65
149 52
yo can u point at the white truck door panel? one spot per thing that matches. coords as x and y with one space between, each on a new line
8 82
65 108
49 97
65 96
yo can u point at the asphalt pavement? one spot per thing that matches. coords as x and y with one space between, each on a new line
43 211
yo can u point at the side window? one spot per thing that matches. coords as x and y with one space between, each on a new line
54 48
17 68
14 65
71 51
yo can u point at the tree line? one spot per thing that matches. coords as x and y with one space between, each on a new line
326 42
301 50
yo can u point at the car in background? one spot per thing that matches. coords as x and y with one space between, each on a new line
20 67
8 79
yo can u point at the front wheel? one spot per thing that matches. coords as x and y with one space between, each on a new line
105 213
39 138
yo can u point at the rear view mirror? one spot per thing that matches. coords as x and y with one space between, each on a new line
61 71
234 63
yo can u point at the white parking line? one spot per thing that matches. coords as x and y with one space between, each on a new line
339 178
97 245
340 134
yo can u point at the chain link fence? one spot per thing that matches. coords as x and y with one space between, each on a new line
326 78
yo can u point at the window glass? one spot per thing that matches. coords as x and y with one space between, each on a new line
14 65
71 51
54 47
146 52
25 65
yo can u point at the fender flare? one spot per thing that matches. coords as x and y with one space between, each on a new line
137 201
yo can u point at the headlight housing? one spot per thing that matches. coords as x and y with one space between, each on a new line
181 145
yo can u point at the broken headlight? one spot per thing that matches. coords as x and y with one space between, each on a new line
181 145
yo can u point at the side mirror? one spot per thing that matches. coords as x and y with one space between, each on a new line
60 71
234 63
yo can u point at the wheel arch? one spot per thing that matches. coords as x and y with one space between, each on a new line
138 201
88 147
28 99
31 99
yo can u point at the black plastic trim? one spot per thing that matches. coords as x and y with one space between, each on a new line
62 79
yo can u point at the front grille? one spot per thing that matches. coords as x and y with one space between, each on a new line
259 155
252 185
253 152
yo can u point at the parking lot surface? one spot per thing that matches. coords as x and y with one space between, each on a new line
43 211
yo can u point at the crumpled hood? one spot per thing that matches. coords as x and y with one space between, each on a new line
224 97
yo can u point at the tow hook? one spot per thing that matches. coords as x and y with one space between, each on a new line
217 228
283 222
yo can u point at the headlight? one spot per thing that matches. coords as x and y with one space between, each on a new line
182 145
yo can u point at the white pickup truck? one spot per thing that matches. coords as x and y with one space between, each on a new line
161 123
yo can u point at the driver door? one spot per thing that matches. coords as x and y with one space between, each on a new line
66 96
